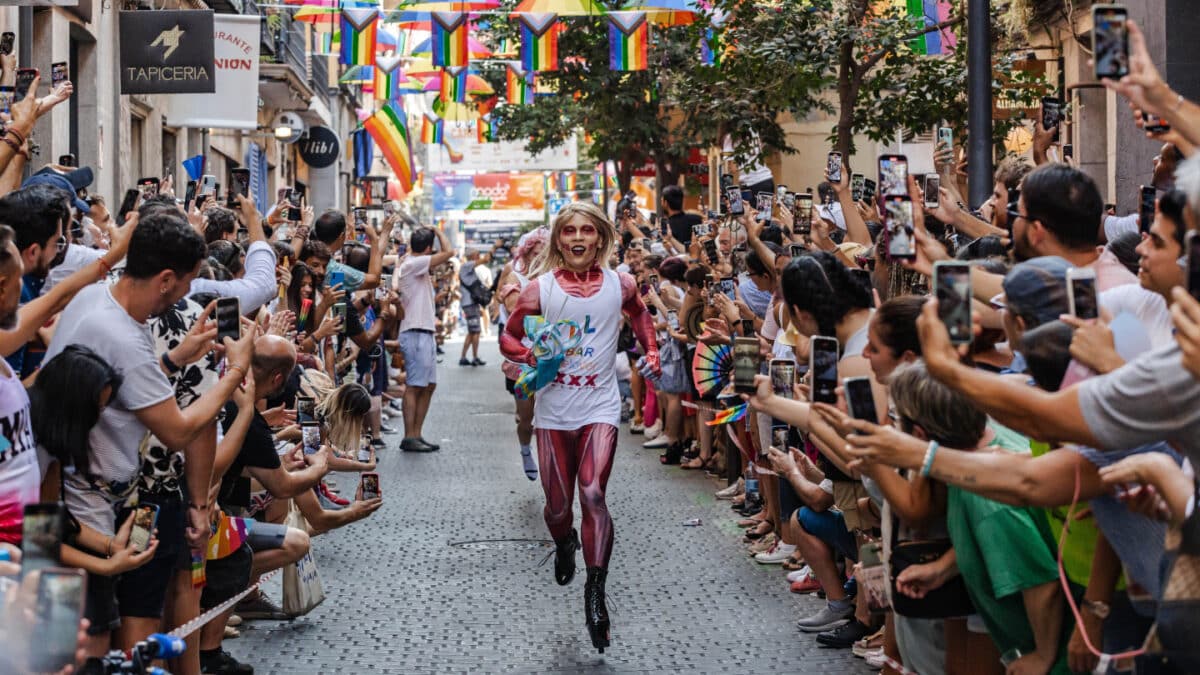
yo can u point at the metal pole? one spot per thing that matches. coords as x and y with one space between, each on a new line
604 183
25 53
979 102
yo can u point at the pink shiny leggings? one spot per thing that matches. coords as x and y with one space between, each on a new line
650 410
586 455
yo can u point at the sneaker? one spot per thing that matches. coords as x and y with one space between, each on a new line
806 585
776 555
636 428
435 446
234 620
259 606
331 496
868 645
222 662
844 636
478 362
826 619
464 362
800 574
387 430
655 443
733 490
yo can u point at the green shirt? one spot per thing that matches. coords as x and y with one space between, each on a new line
1003 550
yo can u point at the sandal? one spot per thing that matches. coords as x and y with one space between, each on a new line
793 563
757 532
693 463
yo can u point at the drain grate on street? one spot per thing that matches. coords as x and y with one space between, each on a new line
503 544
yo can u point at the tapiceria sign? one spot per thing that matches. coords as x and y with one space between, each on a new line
167 52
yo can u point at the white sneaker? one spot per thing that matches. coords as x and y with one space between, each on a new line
778 553
733 490
636 428
654 430
659 442
799 575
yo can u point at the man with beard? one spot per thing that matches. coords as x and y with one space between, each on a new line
1163 180
164 256
37 214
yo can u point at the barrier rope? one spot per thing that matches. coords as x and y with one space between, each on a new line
196 623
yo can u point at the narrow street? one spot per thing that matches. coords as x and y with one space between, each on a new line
419 588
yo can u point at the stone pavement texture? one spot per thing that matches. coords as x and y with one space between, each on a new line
417 588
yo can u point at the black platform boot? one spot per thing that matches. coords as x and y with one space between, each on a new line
673 453
594 608
564 558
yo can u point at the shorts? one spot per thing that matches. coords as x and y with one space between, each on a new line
227 577
266 536
379 373
100 604
471 312
830 527
846 495
420 357
509 385
142 592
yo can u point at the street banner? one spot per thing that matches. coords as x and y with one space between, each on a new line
167 52
489 197
235 51
488 157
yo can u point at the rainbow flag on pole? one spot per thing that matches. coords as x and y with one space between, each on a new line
449 37
454 84
388 76
628 40
390 133
539 41
433 129
520 89
358 36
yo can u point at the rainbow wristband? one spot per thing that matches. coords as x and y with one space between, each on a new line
930 453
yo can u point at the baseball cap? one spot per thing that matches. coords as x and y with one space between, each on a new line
71 181
1036 290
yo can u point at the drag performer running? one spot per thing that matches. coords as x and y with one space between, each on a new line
577 415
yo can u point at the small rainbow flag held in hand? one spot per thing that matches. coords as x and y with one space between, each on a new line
390 133
454 84
433 128
388 76
449 38
358 36
539 41
628 40
728 415
230 534
520 89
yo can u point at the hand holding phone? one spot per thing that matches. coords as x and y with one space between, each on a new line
823 354
833 166
145 519
229 319
952 288
746 360
370 486
1110 41
1081 293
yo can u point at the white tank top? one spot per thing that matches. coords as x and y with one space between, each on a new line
585 391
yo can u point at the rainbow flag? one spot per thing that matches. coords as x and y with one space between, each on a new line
520 90
329 43
628 40
433 129
728 415
539 41
390 133
710 46
358 36
449 37
567 181
388 76
485 132
453 84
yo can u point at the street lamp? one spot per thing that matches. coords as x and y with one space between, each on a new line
979 102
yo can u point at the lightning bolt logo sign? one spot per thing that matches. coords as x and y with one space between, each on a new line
169 39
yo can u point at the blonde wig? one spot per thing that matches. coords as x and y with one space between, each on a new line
551 258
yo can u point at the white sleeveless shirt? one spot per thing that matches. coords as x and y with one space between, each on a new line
585 391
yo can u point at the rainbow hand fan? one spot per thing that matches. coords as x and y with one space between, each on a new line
728 415
230 534
711 367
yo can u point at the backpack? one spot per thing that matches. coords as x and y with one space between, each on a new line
480 293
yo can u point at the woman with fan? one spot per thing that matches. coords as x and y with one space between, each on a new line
577 414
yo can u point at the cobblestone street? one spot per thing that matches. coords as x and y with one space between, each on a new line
423 586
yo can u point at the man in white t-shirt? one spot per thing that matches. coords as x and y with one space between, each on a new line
417 342
752 175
